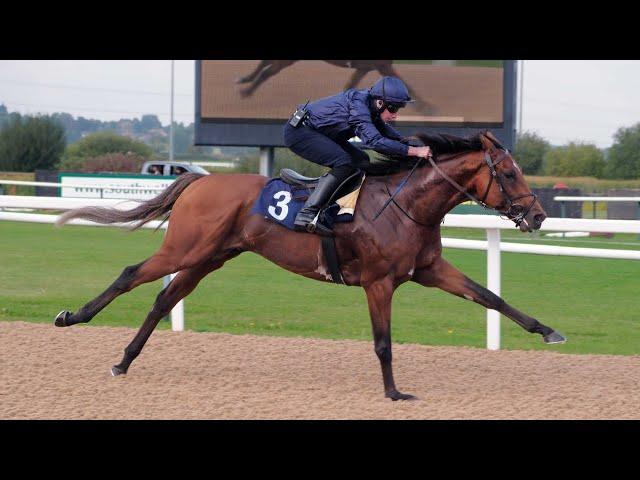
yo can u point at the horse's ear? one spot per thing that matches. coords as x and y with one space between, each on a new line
494 140
487 144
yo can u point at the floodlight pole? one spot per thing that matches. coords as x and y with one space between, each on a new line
171 125
266 161
520 92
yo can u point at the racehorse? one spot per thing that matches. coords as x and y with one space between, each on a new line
268 68
210 223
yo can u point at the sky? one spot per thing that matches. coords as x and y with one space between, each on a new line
562 100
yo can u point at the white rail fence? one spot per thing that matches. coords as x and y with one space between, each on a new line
594 200
83 185
492 224
120 191
564 199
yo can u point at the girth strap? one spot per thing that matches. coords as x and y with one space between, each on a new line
331 256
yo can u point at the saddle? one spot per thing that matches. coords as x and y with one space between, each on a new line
348 186
283 197
294 178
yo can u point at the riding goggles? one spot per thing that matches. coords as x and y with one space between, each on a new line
394 107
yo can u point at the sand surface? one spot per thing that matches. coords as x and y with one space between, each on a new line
63 373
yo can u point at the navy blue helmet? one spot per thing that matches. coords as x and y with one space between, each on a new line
391 90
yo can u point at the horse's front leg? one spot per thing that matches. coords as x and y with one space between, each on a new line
379 294
443 275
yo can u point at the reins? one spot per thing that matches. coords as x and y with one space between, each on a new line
461 189
514 212
400 187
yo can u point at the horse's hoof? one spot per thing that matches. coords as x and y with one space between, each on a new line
115 371
61 318
554 337
396 395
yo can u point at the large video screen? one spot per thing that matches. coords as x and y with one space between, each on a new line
448 93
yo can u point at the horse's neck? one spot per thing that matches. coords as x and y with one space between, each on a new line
433 196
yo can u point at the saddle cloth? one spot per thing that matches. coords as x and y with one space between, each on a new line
280 202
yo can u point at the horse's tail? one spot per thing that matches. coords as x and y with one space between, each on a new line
143 213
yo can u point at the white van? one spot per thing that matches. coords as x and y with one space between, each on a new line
170 168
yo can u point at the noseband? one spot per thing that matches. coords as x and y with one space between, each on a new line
515 211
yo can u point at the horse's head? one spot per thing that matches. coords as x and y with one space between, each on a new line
500 184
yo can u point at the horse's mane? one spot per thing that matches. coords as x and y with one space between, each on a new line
443 146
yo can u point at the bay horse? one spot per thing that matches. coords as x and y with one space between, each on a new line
210 223
268 68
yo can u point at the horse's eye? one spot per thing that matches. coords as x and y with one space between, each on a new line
510 174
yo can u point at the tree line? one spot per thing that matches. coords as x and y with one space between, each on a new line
60 141
147 129
537 156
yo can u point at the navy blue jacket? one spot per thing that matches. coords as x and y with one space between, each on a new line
347 114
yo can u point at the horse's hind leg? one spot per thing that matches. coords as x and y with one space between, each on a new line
358 75
195 235
443 275
151 269
267 72
181 286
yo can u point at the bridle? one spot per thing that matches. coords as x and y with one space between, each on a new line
514 211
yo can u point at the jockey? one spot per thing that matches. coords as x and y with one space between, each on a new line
326 125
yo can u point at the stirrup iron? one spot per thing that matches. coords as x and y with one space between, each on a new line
311 226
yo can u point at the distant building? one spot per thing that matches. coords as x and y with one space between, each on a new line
125 127
153 134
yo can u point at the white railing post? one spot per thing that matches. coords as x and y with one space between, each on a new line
493 284
177 314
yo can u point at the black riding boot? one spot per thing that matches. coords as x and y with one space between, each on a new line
318 198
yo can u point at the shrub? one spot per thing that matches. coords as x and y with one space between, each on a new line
98 144
114 162
574 160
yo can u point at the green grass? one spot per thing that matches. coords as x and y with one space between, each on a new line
594 302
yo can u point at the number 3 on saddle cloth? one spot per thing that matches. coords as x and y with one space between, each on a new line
283 197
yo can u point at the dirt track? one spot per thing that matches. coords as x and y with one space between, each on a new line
54 373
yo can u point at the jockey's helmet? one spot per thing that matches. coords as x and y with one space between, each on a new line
391 90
